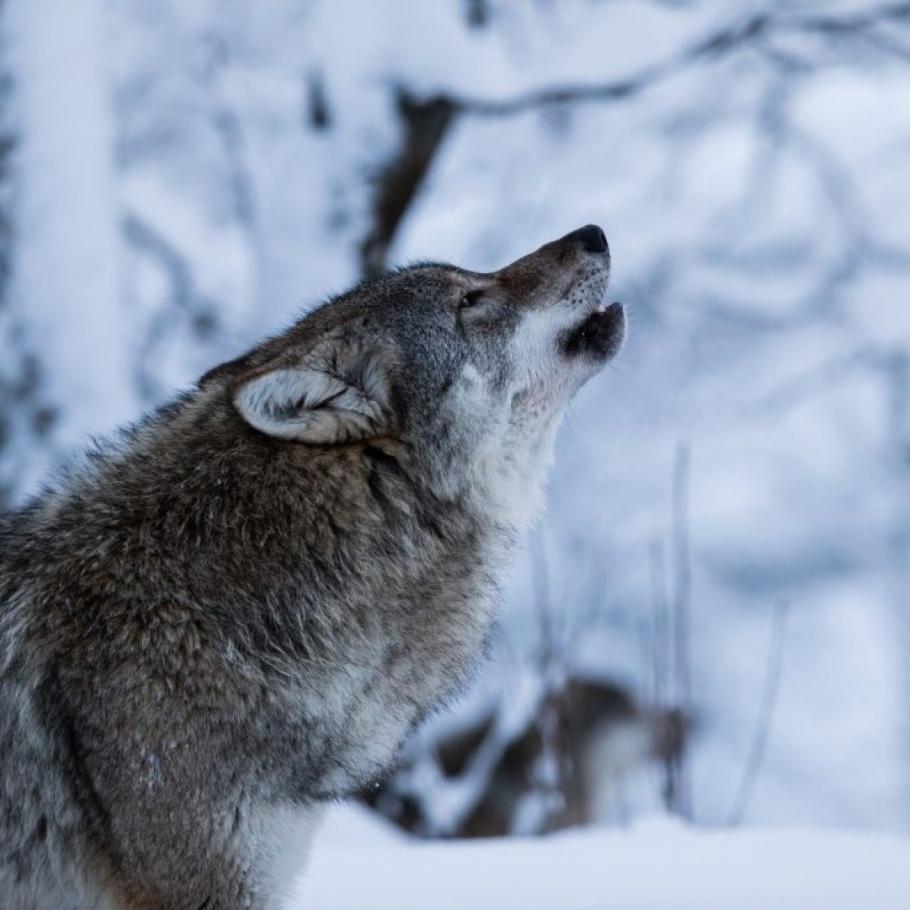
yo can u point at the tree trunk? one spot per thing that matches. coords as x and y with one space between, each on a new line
64 323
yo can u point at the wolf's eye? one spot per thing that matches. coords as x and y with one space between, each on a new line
471 298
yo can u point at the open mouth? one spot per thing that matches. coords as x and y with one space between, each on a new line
600 335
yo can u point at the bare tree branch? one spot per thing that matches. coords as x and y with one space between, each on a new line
426 122
424 126
720 43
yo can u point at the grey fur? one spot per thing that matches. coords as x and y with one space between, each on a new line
207 631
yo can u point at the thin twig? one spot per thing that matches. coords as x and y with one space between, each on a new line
682 572
551 772
770 689
659 624
682 588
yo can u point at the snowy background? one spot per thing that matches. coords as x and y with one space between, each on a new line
728 534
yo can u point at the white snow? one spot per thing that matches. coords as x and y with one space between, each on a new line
657 863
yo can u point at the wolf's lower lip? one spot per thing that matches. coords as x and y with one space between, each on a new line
600 335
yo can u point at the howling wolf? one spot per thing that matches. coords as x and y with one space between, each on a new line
237 610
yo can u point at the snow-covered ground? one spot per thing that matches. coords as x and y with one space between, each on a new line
657 864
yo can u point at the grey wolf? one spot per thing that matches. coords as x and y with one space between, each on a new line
236 611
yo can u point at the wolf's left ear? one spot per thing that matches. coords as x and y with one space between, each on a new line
338 392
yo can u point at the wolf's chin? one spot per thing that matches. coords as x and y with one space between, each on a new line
600 336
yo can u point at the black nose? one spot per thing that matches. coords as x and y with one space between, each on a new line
591 237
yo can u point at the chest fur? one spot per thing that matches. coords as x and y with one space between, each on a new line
378 684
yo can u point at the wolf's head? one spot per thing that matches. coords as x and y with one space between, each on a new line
471 372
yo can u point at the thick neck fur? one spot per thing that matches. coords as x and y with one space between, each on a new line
201 542
241 525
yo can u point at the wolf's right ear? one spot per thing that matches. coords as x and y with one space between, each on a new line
339 392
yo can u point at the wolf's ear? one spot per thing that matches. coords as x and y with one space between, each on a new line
338 392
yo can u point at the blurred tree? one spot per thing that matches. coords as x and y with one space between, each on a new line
6 149
66 375
16 378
